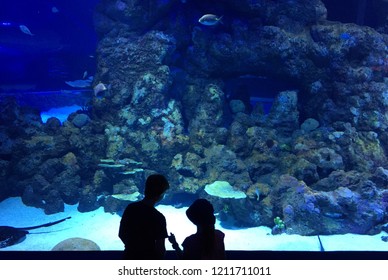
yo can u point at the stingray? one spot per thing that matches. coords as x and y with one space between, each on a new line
10 235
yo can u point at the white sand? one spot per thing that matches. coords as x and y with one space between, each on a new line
102 228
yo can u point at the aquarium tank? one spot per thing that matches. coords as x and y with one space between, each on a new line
274 111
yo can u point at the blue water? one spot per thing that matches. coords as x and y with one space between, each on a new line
62 47
65 40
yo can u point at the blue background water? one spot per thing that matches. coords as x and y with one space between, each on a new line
65 41
62 48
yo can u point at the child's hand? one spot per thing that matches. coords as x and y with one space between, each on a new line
171 238
174 244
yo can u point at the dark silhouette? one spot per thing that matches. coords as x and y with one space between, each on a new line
142 227
208 242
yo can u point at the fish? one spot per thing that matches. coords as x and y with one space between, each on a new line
106 165
54 10
210 19
81 83
127 196
100 87
10 235
25 30
131 172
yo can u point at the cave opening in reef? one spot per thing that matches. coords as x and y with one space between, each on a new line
254 90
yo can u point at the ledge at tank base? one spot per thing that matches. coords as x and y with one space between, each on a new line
170 255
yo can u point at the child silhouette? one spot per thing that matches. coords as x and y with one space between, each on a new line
207 243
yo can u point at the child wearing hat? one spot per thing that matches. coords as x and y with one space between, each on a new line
207 243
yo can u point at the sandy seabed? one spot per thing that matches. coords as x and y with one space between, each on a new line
102 228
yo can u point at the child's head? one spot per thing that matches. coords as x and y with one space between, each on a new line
201 212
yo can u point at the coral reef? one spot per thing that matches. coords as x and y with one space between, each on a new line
223 189
184 100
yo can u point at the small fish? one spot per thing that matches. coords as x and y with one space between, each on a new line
85 75
54 10
107 160
131 172
100 87
333 215
107 165
210 19
25 30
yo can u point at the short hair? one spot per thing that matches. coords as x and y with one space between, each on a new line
201 212
155 186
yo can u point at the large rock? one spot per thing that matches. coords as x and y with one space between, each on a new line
76 244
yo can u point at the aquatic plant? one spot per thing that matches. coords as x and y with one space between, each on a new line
279 223
279 227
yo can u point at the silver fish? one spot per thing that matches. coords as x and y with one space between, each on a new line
25 30
210 19
100 87
81 83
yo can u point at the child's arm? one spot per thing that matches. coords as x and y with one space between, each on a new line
175 245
